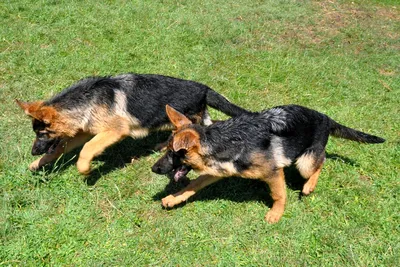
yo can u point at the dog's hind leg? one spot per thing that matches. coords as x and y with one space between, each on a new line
206 120
95 147
311 183
63 147
277 187
310 166
194 186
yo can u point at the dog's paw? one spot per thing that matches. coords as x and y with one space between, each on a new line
308 188
273 216
34 166
83 167
170 201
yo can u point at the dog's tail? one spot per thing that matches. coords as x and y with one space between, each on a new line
222 104
342 131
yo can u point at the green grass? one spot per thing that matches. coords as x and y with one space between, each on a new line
339 57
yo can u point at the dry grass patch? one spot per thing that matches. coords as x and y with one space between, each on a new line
334 20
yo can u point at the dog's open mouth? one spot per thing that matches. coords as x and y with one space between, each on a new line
181 172
52 148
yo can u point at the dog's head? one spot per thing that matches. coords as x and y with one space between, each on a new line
183 147
45 123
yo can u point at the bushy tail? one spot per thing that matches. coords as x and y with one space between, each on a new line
342 131
222 104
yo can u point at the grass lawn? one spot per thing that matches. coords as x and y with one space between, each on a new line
339 57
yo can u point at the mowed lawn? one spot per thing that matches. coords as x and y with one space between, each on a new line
341 58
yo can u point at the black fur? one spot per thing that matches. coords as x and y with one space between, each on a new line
296 129
300 130
147 95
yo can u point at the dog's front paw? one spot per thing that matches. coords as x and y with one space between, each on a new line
170 201
273 216
83 167
34 166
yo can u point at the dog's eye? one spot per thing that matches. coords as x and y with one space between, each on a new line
42 134
180 153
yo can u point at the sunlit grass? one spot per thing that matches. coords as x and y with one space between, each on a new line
339 57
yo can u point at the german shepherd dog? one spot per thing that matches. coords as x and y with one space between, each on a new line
100 111
254 146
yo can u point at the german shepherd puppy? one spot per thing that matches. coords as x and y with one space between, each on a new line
100 111
254 146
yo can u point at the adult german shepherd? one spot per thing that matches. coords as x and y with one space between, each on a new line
255 146
100 111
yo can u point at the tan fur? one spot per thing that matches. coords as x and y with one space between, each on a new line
63 127
177 118
278 153
277 187
228 168
76 128
29 108
260 167
95 147
186 139
190 190
214 168
195 159
306 165
166 127
56 122
311 183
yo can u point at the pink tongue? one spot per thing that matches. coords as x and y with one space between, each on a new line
178 175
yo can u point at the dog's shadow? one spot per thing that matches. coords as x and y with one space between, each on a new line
243 190
115 157
234 189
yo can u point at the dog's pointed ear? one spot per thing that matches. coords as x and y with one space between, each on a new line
186 140
48 114
23 105
30 108
176 118
38 111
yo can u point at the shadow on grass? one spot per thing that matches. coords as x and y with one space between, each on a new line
243 190
115 157
121 154
345 160
234 189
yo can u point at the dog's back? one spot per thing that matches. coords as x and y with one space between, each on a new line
148 94
142 97
283 134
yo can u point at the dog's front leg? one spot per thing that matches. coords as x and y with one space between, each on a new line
63 147
277 187
47 158
95 147
194 186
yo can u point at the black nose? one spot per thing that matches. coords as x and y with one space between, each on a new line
35 151
156 169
